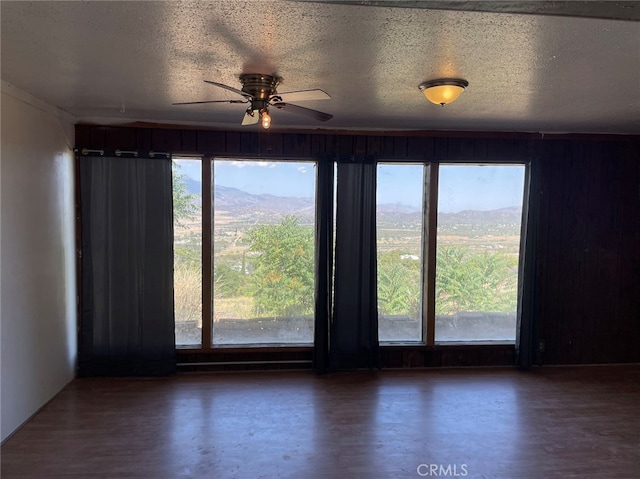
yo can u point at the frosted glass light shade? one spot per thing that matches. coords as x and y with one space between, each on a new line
442 92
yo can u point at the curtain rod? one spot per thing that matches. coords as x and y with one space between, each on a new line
118 152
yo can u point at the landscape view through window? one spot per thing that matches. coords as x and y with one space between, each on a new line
478 245
399 236
263 251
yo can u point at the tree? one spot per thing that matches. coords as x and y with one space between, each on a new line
282 282
467 281
228 281
398 284
184 206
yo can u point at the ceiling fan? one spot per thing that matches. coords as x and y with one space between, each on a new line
259 91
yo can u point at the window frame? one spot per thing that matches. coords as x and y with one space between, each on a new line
429 253
194 157
429 248
206 340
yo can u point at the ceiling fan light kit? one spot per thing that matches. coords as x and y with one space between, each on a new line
260 92
266 118
443 91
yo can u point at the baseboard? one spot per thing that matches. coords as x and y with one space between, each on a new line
35 413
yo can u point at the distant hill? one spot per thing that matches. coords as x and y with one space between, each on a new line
235 200
397 208
509 215
232 199
194 187
238 203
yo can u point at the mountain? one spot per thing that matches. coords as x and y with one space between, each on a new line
509 215
396 208
241 204
194 187
232 199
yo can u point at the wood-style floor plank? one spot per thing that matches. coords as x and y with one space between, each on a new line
498 423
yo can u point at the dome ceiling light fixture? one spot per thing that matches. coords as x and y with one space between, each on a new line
444 90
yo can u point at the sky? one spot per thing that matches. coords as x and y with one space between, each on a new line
260 177
461 187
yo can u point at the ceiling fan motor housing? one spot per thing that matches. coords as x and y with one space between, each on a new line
260 87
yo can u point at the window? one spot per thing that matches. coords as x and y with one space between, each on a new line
466 270
262 235
399 227
448 243
478 245
187 250
263 252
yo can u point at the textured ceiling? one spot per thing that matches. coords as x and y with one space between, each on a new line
128 61
625 10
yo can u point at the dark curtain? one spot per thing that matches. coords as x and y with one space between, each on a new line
354 329
324 264
527 332
127 323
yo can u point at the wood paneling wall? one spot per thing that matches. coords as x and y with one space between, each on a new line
587 288
462 147
588 257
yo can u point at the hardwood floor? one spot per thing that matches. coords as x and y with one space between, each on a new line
478 423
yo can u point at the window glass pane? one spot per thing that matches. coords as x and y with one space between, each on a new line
187 248
264 251
399 219
478 242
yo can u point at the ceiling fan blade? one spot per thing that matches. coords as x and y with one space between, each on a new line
304 95
318 115
211 101
251 117
227 87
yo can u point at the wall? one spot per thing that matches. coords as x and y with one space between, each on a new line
38 308
588 250
586 292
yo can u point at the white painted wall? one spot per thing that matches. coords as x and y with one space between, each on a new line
38 312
